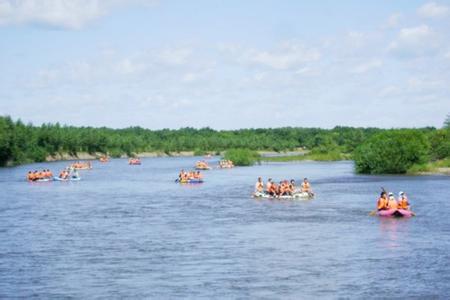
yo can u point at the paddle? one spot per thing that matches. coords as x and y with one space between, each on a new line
374 212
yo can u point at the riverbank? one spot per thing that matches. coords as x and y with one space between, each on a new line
439 167
306 155
97 155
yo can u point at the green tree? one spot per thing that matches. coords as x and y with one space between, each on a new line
391 152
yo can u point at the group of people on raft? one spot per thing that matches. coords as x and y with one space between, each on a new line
68 173
226 164
185 176
202 165
39 175
387 201
134 161
283 188
46 174
81 165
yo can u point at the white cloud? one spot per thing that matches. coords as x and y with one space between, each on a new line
415 34
433 10
393 21
175 56
414 41
289 54
367 66
128 66
68 14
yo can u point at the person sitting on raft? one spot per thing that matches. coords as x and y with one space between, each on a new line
283 188
382 203
292 186
306 187
403 201
259 186
64 174
268 186
392 203
198 175
273 190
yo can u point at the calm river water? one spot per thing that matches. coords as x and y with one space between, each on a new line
131 232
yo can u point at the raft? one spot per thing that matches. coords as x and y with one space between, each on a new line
82 168
191 181
395 213
203 168
67 179
41 180
301 195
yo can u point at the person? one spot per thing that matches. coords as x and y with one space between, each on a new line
273 191
30 176
306 187
268 185
283 188
75 174
382 203
392 203
403 201
292 187
259 186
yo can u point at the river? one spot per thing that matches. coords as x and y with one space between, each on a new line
131 232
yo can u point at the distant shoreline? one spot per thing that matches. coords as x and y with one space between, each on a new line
266 156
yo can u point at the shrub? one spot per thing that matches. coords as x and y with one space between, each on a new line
242 157
391 152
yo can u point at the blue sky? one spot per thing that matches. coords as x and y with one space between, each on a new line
225 64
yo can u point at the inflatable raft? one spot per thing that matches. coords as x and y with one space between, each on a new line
299 196
67 179
203 168
395 213
191 181
41 180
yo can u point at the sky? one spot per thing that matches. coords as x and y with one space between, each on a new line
225 64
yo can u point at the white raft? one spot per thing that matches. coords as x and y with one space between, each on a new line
297 195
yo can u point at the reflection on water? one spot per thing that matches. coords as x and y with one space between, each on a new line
393 231
132 232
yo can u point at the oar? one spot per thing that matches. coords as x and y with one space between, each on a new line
374 212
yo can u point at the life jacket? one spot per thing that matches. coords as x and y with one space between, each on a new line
305 186
273 188
392 204
403 203
382 203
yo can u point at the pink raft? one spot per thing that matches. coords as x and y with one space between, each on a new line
395 213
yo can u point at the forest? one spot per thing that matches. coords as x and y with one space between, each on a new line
370 147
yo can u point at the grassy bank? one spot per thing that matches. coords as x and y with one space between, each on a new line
330 156
436 167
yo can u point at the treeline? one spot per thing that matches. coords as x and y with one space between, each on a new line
23 143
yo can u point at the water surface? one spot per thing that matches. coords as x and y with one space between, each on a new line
130 231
